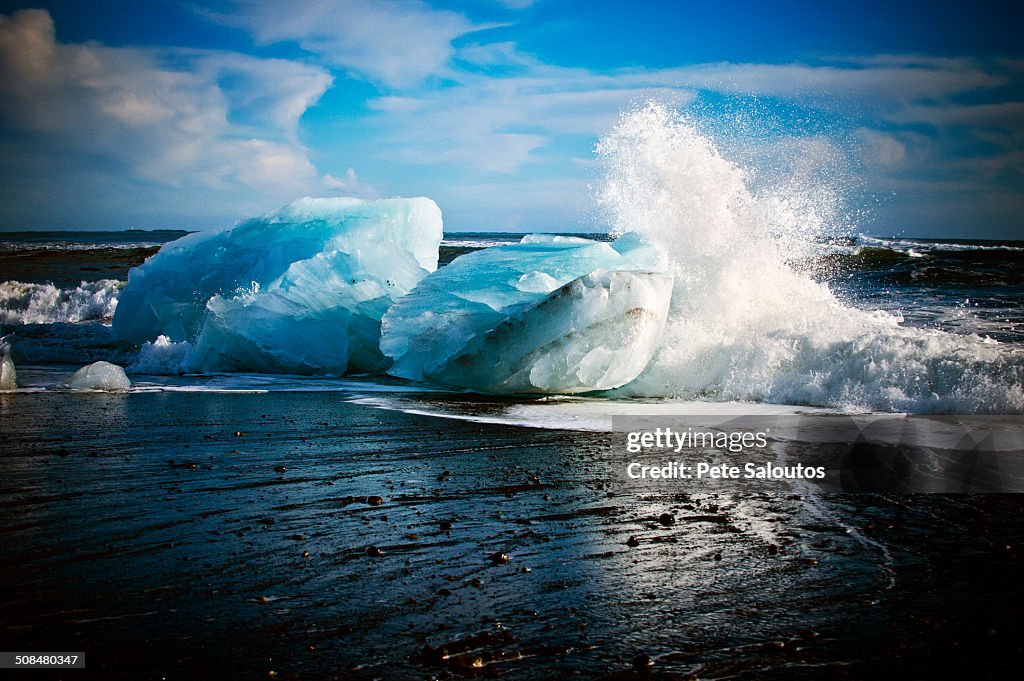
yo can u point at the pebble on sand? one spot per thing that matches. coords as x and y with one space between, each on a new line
498 558
641 662
667 519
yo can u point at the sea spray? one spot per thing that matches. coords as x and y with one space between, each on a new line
744 323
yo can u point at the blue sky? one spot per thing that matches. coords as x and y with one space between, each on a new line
192 115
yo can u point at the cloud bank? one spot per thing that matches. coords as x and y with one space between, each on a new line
147 122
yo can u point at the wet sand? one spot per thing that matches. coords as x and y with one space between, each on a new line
298 535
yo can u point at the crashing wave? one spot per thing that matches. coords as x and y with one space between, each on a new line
744 324
22 303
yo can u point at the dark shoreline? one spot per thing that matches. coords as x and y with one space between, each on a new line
152 531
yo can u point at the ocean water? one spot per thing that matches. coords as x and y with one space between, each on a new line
776 300
962 286
58 305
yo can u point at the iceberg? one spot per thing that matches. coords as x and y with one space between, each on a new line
99 376
344 285
300 290
550 314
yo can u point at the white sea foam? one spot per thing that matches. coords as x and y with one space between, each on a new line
480 243
744 325
912 246
22 303
29 246
163 357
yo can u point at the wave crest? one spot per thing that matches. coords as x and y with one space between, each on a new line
744 323
22 303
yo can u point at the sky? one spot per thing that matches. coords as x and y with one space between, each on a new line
167 114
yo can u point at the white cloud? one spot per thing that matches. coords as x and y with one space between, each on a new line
497 124
499 121
888 80
885 90
506 112
394 42
881 149
198 119
350 185
267 166
495 54
1001 114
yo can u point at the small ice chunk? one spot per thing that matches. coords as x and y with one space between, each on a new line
99 376
8 375
546 315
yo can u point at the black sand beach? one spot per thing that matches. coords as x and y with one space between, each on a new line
332 330
185 535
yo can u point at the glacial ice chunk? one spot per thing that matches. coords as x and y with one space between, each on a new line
301 290
99 376
550 314
8 374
